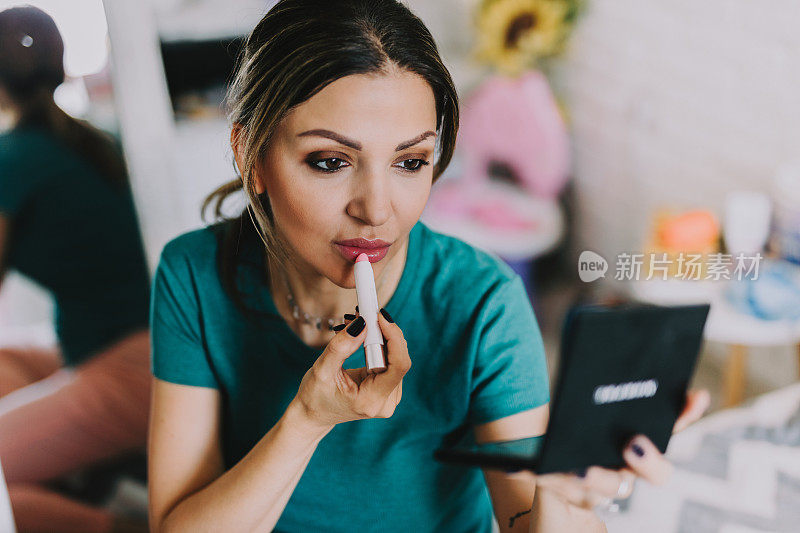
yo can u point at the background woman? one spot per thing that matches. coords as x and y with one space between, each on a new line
67 222
343 116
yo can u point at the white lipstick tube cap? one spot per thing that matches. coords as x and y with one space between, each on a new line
376 362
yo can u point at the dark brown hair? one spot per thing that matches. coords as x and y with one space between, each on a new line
298 48
31 68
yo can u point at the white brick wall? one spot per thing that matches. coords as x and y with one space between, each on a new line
676 102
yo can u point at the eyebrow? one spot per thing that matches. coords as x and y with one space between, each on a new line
355 145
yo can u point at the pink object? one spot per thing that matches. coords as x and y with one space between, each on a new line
496 215
368 306
497 209
515 121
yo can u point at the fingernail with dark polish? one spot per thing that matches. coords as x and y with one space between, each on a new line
338 327
638 450
386 315
348 316
355 327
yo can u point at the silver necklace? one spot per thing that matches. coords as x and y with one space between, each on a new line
298 313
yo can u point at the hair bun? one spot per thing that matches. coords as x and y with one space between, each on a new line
31 51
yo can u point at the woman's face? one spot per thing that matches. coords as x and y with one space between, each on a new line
354 161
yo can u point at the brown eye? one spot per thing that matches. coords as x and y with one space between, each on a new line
413 165
330 164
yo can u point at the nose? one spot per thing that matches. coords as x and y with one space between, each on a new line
372 200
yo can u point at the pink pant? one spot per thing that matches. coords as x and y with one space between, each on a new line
99 414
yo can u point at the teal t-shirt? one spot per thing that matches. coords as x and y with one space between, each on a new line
76 235
477 355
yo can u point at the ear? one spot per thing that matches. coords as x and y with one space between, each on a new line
237 145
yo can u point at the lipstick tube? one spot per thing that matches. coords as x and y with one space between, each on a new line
368 308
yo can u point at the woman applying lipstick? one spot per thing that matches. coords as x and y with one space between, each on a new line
263 414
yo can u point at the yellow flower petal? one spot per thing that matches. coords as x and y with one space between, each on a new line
514 34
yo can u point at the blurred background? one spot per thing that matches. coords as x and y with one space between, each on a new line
649 131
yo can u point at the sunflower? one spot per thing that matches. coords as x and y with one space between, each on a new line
514 34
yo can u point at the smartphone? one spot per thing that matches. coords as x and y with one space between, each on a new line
624 370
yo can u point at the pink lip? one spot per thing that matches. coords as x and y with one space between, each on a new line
365 244
352 248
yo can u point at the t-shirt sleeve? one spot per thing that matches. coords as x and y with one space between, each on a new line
510 371
178 351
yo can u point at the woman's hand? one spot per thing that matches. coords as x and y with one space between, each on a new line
600 485
330 394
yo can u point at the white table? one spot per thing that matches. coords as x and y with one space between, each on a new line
725 324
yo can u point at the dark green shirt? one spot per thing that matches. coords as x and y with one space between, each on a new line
476 351
76 235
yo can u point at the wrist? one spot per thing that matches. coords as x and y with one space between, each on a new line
299 421
553 513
